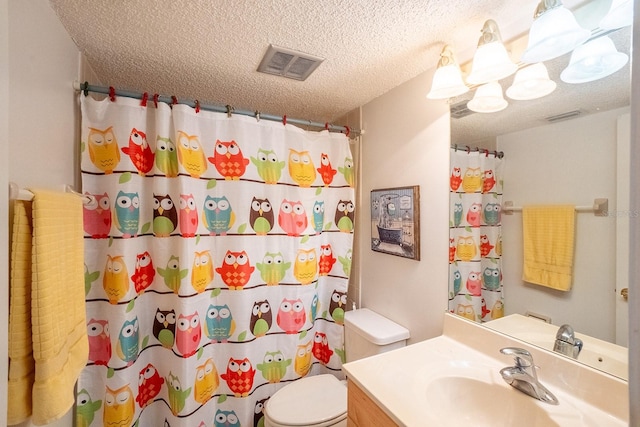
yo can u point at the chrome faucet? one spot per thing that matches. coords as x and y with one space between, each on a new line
523 375
567 343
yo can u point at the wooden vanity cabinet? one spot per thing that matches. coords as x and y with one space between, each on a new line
364 412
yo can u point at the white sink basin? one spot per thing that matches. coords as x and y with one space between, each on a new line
474 393
461 401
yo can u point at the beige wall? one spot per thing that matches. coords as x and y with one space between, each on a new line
40 141
406 142
570 162
4 211
43 63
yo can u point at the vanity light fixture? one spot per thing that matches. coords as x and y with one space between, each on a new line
488 99
491 61
553 33
594 60
531 82
447 80
620 15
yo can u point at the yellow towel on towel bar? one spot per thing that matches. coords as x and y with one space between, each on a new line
549 237
21 365
58 320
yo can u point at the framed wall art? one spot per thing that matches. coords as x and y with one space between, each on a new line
395 221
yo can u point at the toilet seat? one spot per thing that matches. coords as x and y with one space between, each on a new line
316 401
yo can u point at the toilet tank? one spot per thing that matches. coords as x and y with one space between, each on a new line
367 333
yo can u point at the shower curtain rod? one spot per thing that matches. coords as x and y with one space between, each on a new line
498 154
86 87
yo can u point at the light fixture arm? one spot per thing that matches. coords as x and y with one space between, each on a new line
546 5
446 57
490 33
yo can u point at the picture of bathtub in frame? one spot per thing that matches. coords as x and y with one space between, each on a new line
395 221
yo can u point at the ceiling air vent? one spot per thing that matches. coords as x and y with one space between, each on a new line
288 63
563 116
460 110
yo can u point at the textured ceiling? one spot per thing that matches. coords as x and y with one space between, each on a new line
209 49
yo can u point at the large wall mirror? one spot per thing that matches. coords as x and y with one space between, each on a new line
569 147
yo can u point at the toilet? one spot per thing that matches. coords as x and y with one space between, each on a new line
321 400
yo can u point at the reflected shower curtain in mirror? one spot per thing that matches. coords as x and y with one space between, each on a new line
475 235
217 256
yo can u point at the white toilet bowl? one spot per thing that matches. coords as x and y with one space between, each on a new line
316 401
321 400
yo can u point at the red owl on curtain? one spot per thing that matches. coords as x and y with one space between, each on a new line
239 376
229 160
139 151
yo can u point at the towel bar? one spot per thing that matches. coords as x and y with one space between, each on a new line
17 193
600 207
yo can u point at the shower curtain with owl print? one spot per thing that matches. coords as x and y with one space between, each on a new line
218 251
475 235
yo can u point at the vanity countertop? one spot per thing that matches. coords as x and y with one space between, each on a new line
418 384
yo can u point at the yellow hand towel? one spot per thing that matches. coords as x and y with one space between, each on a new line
58 320
60 343
21 365
548 237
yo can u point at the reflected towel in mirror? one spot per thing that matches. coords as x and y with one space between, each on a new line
548 240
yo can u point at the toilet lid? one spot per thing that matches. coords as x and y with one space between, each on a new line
312 400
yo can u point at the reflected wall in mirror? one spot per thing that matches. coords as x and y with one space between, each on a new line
569 147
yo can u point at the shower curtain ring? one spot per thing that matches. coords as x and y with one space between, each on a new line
112 94
86 88
197 106
229 110
155 99
145 97
257 115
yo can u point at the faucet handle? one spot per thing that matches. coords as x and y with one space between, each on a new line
578 343
523 358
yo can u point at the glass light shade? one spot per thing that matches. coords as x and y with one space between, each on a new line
620 15
488 99
531 82
593 60
447 82
552 34
491 62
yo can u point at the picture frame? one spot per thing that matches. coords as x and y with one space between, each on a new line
395 221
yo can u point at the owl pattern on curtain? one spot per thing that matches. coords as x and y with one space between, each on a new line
475 235
217 257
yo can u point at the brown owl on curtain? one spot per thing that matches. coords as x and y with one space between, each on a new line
165 215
